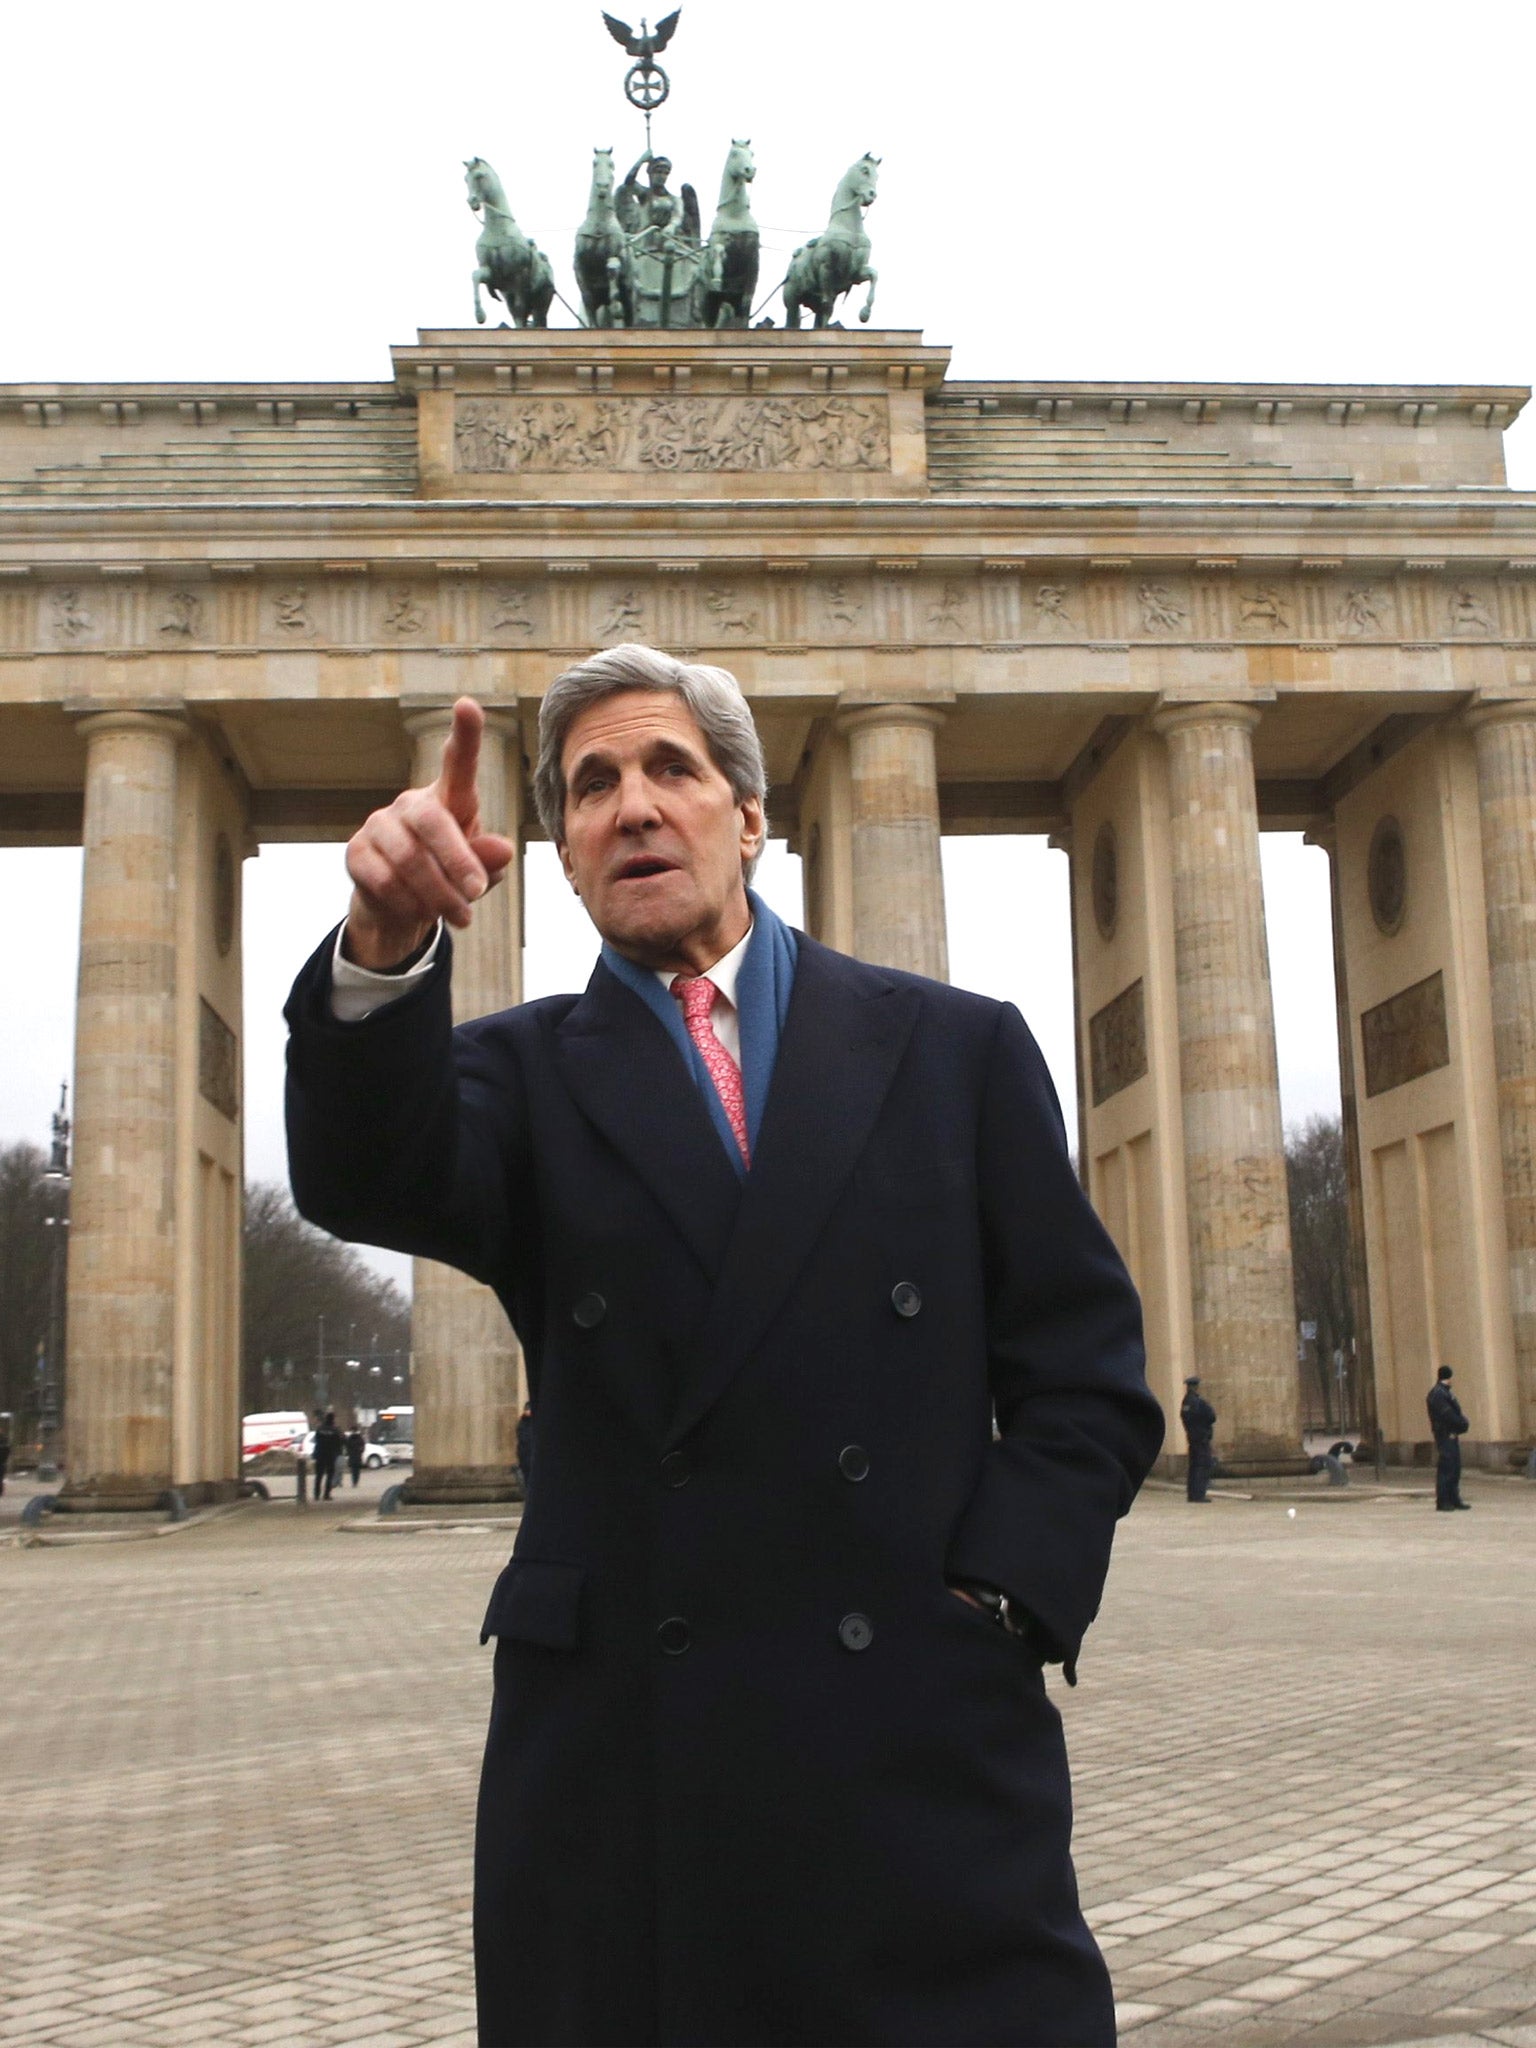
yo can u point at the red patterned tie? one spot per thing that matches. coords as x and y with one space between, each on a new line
698 994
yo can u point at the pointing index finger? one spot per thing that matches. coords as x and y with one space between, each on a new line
461 761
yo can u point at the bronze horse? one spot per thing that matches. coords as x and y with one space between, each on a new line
604 272
837 259
512 268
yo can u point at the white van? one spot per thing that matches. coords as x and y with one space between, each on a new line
395 1434
281 1429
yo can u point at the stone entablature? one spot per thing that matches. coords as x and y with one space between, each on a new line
568 415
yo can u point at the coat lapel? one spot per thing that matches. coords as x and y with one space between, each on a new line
844 1037
627 1078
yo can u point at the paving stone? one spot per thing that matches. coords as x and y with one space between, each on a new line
199 1848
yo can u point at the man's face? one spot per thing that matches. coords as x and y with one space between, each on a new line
654 839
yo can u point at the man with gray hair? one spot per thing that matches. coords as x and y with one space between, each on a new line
839 1393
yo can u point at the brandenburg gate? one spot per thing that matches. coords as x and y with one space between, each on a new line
1149 620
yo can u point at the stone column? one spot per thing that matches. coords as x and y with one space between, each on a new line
122 1278
1061 842
1363 1377
1505 738
464 1355
898 883
1234 1154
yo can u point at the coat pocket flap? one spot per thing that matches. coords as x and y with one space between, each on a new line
534 1602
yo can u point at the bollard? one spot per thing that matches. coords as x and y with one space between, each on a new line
302 1470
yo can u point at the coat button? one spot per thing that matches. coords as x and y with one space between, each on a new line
905 1298
675 1469
589 1311
853 1462
673 1636
855 1632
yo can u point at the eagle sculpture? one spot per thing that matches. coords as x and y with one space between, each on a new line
642 47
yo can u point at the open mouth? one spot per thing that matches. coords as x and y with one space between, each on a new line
643 866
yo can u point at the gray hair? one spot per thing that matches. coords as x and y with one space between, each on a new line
713 695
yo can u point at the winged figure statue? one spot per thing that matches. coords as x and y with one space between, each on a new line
642 47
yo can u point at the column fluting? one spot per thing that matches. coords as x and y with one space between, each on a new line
1504 736
464 1353
898 880
1234 1150
119 1366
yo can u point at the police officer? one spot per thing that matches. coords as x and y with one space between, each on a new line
1199 1420
1450 1426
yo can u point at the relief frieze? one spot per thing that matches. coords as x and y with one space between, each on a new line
505 436
310 607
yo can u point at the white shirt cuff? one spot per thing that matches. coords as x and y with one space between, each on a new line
356 992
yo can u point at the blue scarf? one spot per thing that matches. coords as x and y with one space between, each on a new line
763 990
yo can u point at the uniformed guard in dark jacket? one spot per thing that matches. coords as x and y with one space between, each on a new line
763 1770
1199 1420
1450 1426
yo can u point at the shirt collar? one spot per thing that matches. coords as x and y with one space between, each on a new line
723 974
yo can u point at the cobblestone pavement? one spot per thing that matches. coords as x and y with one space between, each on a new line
237 1774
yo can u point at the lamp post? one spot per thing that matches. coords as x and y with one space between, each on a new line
56 1182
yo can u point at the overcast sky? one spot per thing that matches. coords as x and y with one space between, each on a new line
1300 192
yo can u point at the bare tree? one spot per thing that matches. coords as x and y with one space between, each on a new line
26 1251
312 1303
1319 1191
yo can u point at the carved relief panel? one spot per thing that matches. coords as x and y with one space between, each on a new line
494 436
511 614
728 612
1057 610
619 612
947 609
1160 608
74 616
1363 609
840 607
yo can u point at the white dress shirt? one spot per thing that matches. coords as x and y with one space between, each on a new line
356 992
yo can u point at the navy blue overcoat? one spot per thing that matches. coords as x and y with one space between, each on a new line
754 1774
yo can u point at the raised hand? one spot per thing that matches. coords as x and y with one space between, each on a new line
424 856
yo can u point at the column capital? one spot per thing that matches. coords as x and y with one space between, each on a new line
169 721
859 717
1486 711
424 719
1168 717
